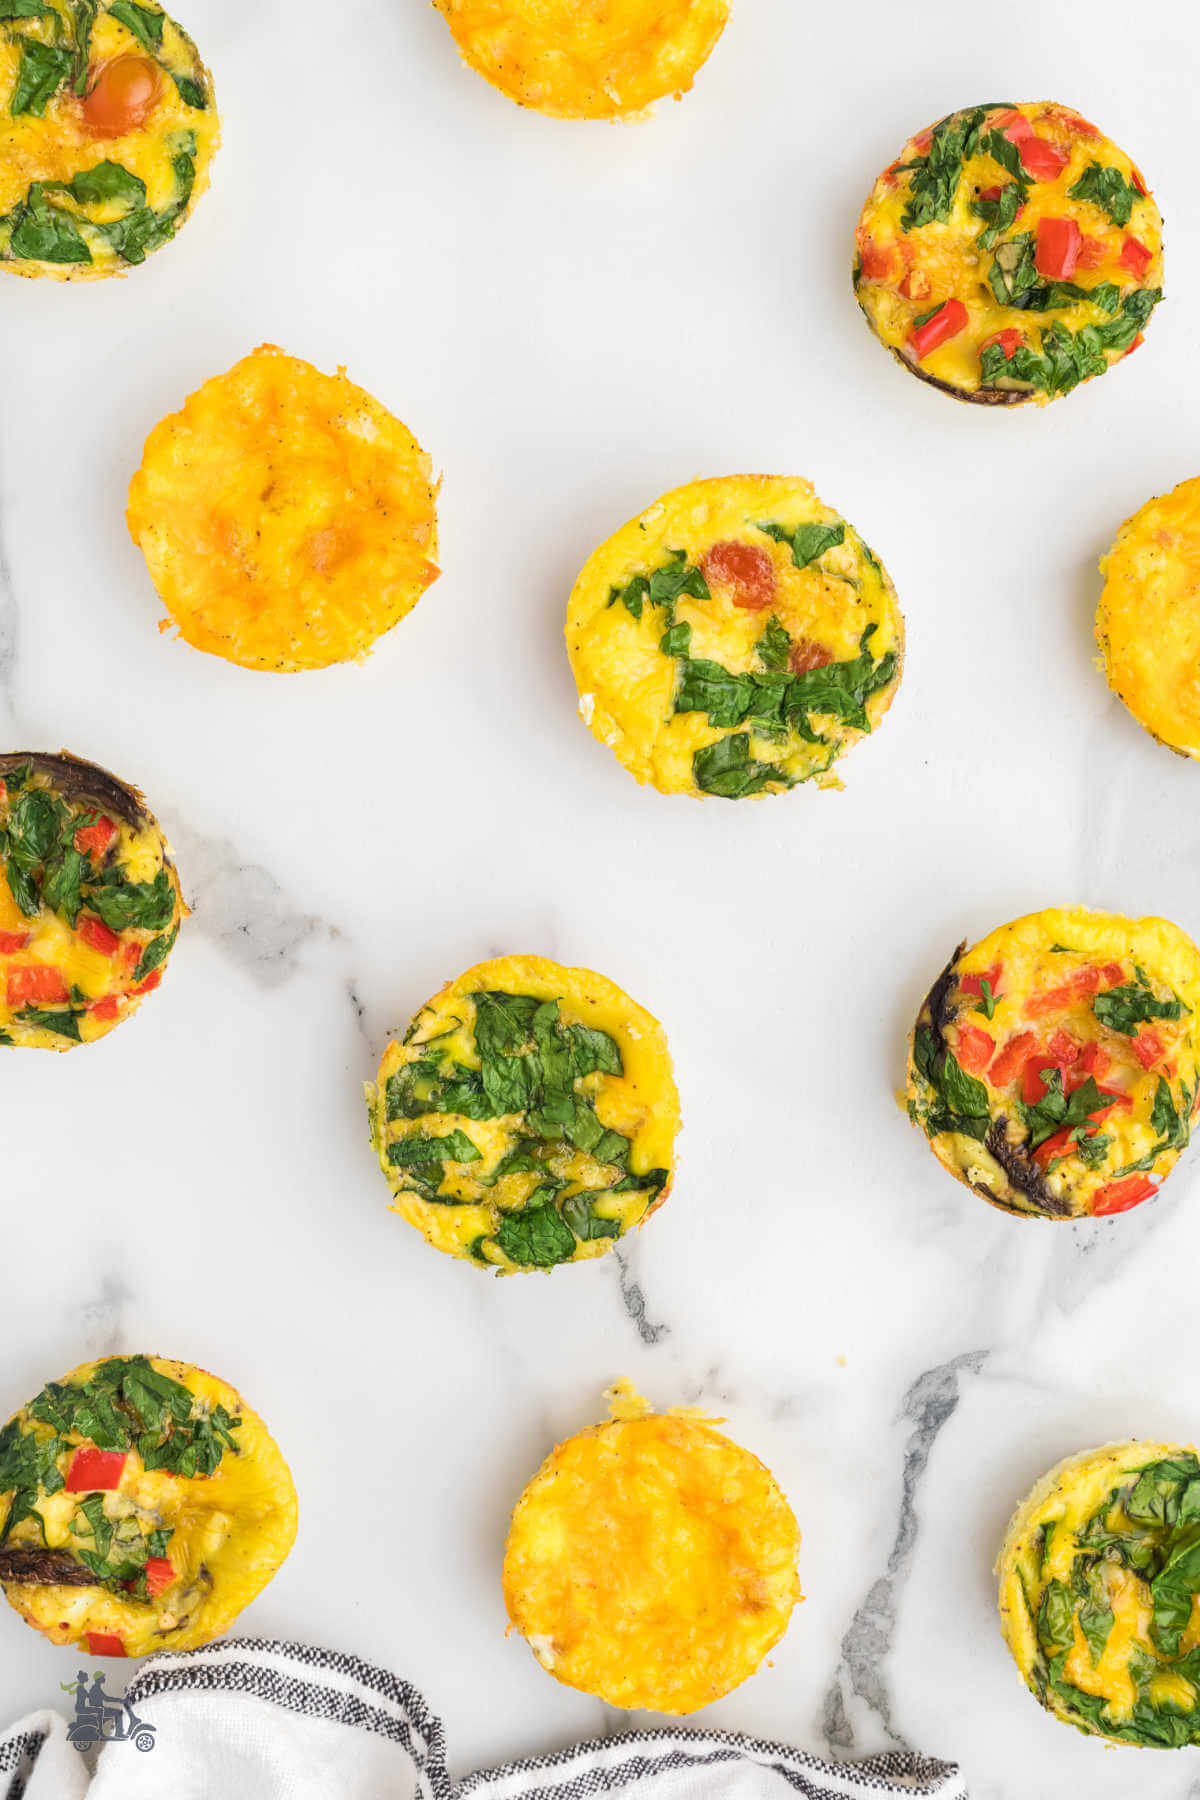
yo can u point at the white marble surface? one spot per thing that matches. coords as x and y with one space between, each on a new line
573 319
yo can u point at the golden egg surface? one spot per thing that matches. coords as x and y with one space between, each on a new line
1009 253
529 1116
143 1504
652 1562
287 519
1099 1587
1148 620
1054 1066
108 128
586 59
734 639
90 905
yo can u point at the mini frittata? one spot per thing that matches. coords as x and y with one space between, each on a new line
586 59
529 1116
651 1561
1054 1066
1099 1579
1148 620
734 639
142 1506
287 519
108 127
1009 253
90 905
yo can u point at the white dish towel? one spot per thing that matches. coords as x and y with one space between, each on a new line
252 1720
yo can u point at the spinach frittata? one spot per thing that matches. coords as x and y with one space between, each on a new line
108 127
1099 1578
142 1506
1009 253
1148 619
529 1116
651 1561
734 639
1054 1066
89 901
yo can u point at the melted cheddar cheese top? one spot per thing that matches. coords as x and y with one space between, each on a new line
287 519
108 127
1009 253
651 1562
1148 620
1100 1593
529 1116
89 903
734 639
1055 1066
586 59
142 1506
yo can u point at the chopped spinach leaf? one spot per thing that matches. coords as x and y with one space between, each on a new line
42 71
146 26
1057 1111
935 176
107 181
728 769
1108 189
1066 358
999 215
148 905
663 587
155 952
1013 271
64 1024
774 646
676 640
580 1214
1132 1004
411 1152
808 542
538 1237
961 1102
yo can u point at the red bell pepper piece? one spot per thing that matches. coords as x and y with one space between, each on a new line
96 933
105 1643
1009 340
1119 1196
973 984
159 1574
1135 257
1081 986
1139 182
1062 1046
29 982
974 1049
916 285
876 260
1033 1088
1092 252
93 1471
1148 1047
12 941
95 839
1061 1144
1057 250
152 980
946 323
1011 1060
1013 124
1040 158
106 1008
1137 343
1094 1060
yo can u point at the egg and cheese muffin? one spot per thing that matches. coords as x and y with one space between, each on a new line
734 639
1099 1583
529 1116
651 1562
1009 253
89 901
108 127
1054 1066
1148 620
287 519
586 59
142 1506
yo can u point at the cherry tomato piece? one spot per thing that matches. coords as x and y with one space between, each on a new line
121 96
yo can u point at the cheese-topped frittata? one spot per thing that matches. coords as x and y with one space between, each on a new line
651 1561
529 1116
1100 1593
1148 619
287 519
108 127
734 639
89 901
142 1506
1009 253
586 59
1055 1066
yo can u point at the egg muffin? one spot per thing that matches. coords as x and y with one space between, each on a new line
586 59
1148 620
1099 1578
651 1561
529 1116
734 639
142 1506
1054 1067
287 519
1009 253
108 127
89 901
